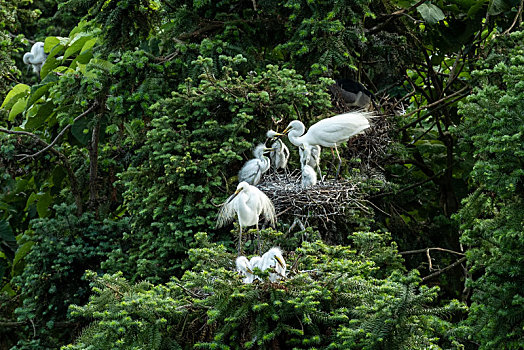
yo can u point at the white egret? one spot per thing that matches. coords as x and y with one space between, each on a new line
273 259
247 203
245 268
256 261
253 170
329 132
280 153
311 156
309 176
36 57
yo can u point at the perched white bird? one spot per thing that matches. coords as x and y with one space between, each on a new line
280 153
309 176
256 261
310 156
36 57
247 203
329 132
253 170
273 259
245 268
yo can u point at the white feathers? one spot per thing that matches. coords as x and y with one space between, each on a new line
328 132
272 260
309 176
280 153
253 170
36 57
247 203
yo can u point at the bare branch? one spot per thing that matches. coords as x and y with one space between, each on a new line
25 156
441 271
428 249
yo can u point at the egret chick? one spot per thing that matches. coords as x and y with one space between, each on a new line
244 267
256 262
273 259
36 57
309 176
311 156
247 203
253 170
280 153
329 132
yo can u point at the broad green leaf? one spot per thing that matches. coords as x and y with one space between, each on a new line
102 64
88 45
50 64
42 206
16 93
76 45
37 91
44 112
32 198
50 42
6 234
21 253
431 13
499 6
18 108
78 129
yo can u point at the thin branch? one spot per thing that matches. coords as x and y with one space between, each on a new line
72 177
25 156
427 249
441 271
519 12
394 15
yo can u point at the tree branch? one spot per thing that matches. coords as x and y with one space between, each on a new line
427 249
441 271
25 156
72 177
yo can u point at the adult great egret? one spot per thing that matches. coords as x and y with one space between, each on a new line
252 171
247 203
280 153
273 259
329 132
36 57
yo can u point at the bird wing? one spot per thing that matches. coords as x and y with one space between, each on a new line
267 207
250 171
227 212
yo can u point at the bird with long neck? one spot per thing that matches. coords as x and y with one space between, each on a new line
329 132
247 204
280 153
253 170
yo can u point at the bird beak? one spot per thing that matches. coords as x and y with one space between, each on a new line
286 130
280 262
249 270
277 134
233 196
268 149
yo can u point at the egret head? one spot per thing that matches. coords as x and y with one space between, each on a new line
260 150
243 265
276 254
294 125
271 134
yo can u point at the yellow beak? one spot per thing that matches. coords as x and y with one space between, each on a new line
280 262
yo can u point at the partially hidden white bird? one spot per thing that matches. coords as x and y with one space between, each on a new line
36 57
273 259
245 268
329 132
253 170
311 156
247 203
309 176
280 153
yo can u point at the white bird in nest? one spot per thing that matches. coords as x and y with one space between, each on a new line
329 132
36 57
309 176
253 170
245 268
280 153
247 203
310 156
273 259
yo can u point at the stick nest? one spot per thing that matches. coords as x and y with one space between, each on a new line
325 199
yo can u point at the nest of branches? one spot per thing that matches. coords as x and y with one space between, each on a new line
326 199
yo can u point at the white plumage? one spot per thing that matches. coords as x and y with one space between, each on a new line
273 259
36 57
247 204
253 170
309 176
245 268
329 132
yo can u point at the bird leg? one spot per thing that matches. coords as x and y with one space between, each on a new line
339 163
332 164
258 240
240 241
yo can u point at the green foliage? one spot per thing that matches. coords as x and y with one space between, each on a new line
329 300
492 217
194 150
